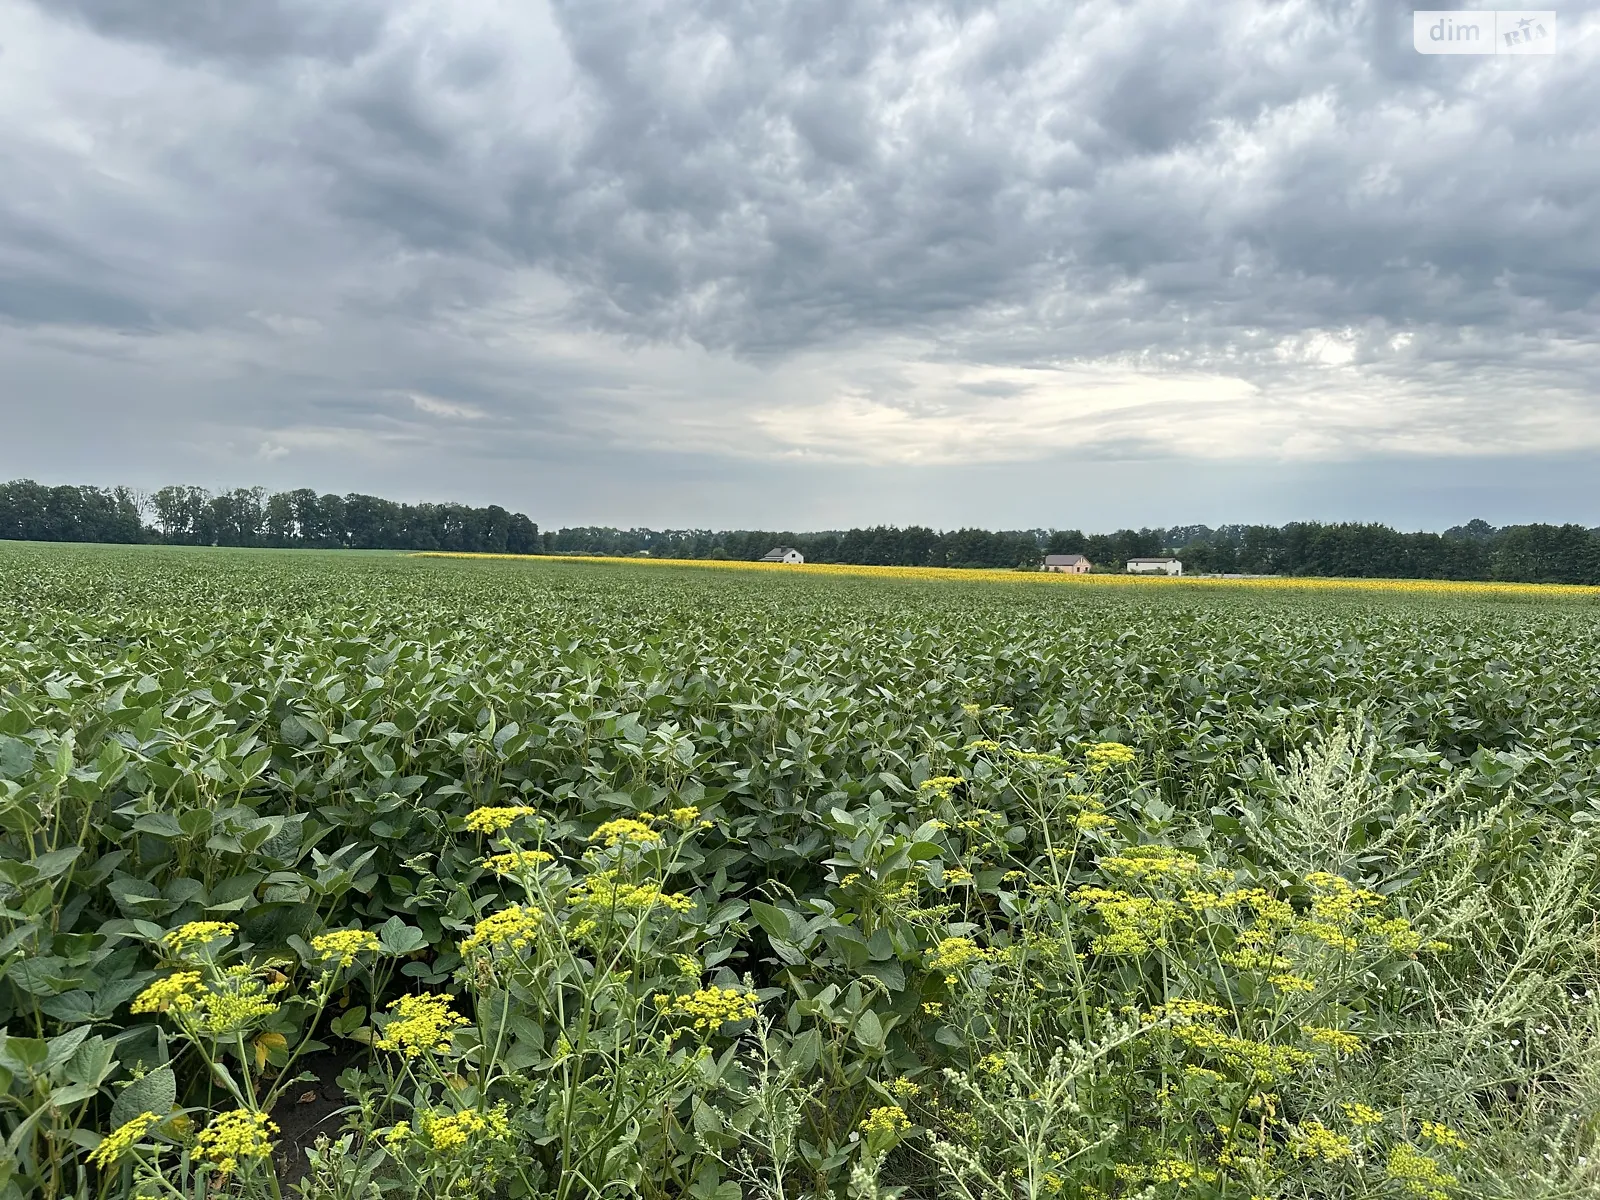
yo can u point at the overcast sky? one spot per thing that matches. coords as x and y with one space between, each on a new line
804 263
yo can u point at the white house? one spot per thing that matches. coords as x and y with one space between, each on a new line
1154 566
1067 564
784 554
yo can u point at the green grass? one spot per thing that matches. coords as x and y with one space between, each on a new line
1388 799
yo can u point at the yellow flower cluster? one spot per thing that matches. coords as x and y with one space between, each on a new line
1313 1139
1182 1011
1287 982
1419 1174
1091 822
886 1121
905 1089
1134 924
1102 756
954 954
1148 863
454 1133
176 993
240 999
235 1135
607 891
1362 1115
991 1064
343 945
514 928
1336 1039
1262 1062
683 817
710 1008
625 831
1172 1170
957 876
941 787
516 862
421 1025
1442 1135
121 1140
496 820
1330 935
1038 758
197 934
1337 899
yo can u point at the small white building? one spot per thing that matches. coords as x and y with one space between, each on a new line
787 555
1067 564
1154 566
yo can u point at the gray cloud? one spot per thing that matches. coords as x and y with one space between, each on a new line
875 230
257 29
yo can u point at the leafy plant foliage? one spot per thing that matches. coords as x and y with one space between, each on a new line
605 882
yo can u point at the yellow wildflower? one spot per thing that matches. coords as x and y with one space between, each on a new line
991 1064
1419 1174
905 1089
515 862
1151 863
496 820
1314 1140
1328 934
1091 822
198 934
625 831
1102 756
175 993
954 954
453 1133
1286 982
120 1140
234 1135
1183 1010
957 876
683 817
1362 1115
421 1025
1171 1170
396 1134
514 928
344 945
886 1121
1442 1135
941 787
1134 924
239 999
606 891
1336 1039
710 1007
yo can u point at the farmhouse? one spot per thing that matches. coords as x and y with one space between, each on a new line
1154 566
784 554
1067 564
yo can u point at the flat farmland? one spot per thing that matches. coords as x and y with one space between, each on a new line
559 878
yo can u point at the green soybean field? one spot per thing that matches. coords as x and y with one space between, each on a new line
362 875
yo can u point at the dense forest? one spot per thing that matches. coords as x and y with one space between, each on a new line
254 517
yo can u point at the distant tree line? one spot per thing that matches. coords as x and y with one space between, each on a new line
254 517
192 516
1477 550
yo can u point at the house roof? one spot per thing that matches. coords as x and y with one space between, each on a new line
778 552
1063 560
1160 560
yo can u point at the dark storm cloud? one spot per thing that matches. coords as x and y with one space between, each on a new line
242 29
563 216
